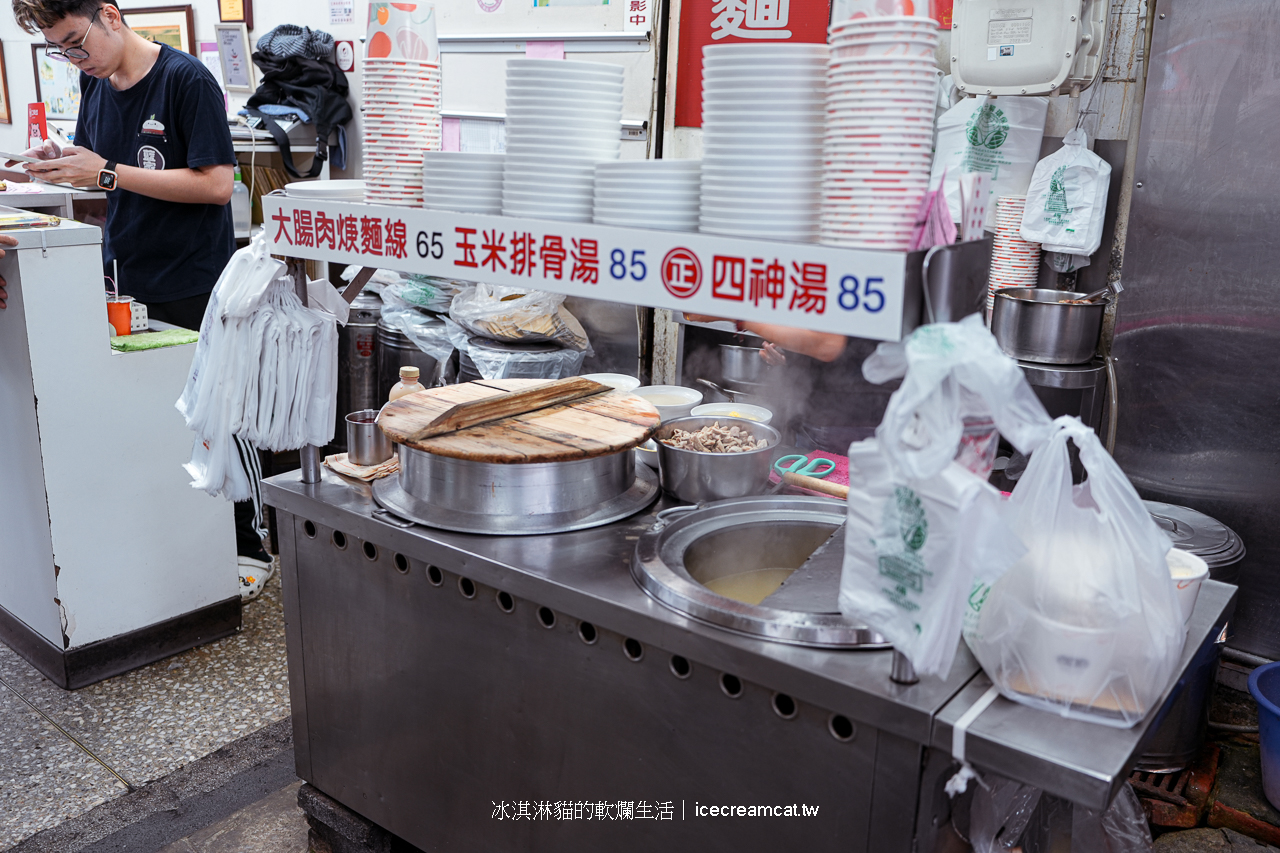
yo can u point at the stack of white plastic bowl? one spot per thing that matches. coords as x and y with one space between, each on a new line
762 119
882 87
657 194
1014 262
468 183
562 119
400 120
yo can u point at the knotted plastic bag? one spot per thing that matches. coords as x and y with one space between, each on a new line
1067 200
1086 624
919 521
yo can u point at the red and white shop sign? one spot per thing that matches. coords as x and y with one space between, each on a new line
704 22
846 291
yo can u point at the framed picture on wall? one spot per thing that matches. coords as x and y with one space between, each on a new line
236 11
235 55
171 25
57 85
6 114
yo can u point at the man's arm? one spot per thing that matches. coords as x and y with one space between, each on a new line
202 185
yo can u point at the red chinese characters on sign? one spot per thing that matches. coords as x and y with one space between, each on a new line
281 219
397 239
468 248
494 247
553 257
681 273
326 232
767 282
524 253
302 233
370 235
808 288
586 262
704 22
348 233
638 14
728 278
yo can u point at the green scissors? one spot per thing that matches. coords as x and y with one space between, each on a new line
817 467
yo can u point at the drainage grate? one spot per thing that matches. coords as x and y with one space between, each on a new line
1166 787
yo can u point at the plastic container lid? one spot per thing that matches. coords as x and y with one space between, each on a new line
408 372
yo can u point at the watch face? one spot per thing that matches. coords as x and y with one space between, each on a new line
107 180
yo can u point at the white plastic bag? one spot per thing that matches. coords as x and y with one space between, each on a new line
514 314
1087 623
1067 199
953 371
910 548
919 522
998 136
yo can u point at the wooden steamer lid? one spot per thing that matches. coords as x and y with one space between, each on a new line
604 423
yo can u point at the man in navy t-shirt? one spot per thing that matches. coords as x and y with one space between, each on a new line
152 132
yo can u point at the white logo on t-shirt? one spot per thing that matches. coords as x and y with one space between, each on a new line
150 158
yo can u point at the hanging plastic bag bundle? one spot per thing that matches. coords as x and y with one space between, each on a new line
264 372
919 521
1086 623
1067 200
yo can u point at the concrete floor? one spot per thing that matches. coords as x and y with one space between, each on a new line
64 753
274 824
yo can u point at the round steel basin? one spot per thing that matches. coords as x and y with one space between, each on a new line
713 562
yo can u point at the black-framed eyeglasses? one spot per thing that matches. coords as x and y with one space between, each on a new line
77 52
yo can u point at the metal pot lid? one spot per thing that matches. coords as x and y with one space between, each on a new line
1197 533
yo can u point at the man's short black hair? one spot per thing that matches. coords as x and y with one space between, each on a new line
36 15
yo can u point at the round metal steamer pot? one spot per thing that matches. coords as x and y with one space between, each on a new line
1034 324
516 499
538 488
691 545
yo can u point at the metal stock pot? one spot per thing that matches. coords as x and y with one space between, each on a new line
1041 325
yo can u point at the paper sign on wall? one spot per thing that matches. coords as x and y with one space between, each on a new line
342 12
637 15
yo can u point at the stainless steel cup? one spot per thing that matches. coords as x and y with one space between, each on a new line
367 444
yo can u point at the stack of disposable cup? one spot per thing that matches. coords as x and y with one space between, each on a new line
881 91
661 195
562 119
400 120
1014 261
468 183
762 117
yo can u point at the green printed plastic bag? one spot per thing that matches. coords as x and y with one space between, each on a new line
1067 199
1000 137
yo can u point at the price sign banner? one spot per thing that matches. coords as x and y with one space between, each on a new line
849 292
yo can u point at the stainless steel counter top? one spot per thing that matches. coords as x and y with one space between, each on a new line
586 574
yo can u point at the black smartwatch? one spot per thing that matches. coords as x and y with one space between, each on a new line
107 177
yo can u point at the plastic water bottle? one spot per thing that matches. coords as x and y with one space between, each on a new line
240 206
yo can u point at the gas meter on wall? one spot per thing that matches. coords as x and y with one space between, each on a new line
1027 47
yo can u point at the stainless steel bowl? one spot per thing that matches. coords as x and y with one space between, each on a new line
742 364
1035 324
697 477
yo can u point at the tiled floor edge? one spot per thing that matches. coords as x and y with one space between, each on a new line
174 806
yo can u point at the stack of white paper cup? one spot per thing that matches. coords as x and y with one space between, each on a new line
1014 261
881 91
